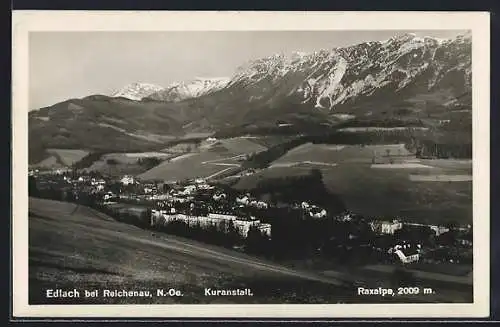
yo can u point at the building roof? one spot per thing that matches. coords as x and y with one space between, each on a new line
407 249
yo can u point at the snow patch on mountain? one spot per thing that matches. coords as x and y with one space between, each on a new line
331 86
137 91
327 78
197 87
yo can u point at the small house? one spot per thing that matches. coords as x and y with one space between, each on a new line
406 253
386 227
316 212
127 180
218 196
439 229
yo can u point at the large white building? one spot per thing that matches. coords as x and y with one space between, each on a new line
439 229
386 227
162 217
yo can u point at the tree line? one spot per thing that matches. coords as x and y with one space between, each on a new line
224 234
294 234
431 149
422 143
387 123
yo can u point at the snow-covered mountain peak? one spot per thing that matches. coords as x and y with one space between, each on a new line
327 78
136 91
196 87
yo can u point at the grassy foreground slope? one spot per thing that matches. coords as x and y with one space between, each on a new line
72 246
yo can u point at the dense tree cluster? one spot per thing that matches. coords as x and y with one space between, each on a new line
263 159
149 162
88 160
431 149
296 189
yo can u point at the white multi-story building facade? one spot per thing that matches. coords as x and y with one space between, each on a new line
162 217
386 227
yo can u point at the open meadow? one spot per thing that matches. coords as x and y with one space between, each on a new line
430 191
394 193
119 164
208 160
57 158
49 162
339 153
68 157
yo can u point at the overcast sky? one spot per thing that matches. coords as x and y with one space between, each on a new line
65 65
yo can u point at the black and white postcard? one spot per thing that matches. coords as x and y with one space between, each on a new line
250 164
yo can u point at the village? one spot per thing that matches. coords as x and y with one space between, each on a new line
200 205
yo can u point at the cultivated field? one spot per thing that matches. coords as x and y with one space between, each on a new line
270 140
251 181
457 165
143 135
241 145
186 167
405 165
49 162
208 161
304 164
119 164
181 148
340 116
372 129
147 155
389 193
441 178
383 190
68 156
61 158
335 154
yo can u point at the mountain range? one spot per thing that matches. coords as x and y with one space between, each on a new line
137 91
406 76
174 92
179 91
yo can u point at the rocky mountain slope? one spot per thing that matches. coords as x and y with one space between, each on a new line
191 89
330 78
406 76
405 72
137 91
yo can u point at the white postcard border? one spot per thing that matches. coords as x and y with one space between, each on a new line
24 22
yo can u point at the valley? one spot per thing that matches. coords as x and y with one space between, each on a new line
408 190
402 185
420 82
351 156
